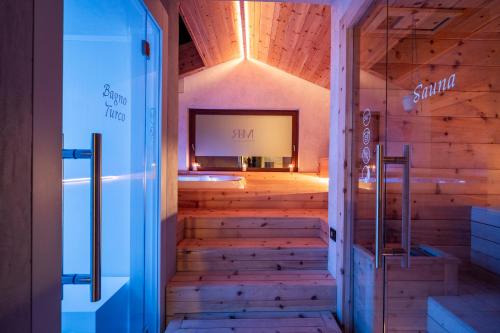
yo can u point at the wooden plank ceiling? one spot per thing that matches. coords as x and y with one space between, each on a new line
430 42
214 27
293 37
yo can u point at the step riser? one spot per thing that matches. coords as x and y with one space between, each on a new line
248 227
240 293
200 266
252 254
246 315
250 233
258 276
250 306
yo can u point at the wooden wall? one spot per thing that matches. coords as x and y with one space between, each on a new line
189 59
454 134
16 115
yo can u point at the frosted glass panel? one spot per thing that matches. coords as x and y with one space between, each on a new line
109 87
240 135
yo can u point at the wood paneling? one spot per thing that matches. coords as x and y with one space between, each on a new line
293 37
214 27
189 59
407 289
453 134
16 151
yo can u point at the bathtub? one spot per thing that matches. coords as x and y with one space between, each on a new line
211 182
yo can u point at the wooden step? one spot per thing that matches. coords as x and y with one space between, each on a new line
251 291
251 254
257 199
251 227
313 323
252 223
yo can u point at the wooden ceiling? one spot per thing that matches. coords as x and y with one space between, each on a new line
215 29
293 37
453 36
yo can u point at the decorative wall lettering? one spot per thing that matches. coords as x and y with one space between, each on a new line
113 113
243 134
114 96
113 101
422 92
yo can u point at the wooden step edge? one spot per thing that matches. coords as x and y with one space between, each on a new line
323 320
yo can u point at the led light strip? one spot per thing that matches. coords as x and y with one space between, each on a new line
237 9
247 29
241 12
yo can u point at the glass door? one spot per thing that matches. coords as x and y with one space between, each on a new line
425 167
111 85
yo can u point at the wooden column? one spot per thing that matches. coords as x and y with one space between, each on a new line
16 116
170 125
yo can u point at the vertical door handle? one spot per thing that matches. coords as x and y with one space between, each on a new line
96 218
406 208
95 156
380 207
380 250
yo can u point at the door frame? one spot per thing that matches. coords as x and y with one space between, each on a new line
341 139
47 162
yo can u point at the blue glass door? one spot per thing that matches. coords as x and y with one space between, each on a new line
111 86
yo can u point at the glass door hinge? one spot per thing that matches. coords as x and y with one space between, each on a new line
146 49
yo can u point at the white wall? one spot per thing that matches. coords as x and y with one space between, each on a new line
241 84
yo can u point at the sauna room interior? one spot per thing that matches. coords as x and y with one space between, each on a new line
291 166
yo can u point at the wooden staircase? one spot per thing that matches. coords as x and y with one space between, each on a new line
252 271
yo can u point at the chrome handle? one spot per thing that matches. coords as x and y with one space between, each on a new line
380 250
95 156
380 208
406 209
96 217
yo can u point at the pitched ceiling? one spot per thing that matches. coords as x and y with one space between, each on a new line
215 29
293 37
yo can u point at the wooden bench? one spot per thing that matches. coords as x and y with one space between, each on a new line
475 310
485 238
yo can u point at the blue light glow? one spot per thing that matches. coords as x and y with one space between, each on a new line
110 87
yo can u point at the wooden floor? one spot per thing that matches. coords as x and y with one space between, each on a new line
475 309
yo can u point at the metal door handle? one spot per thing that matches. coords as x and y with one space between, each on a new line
406 209
380 208
95 156
380 250
96 217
